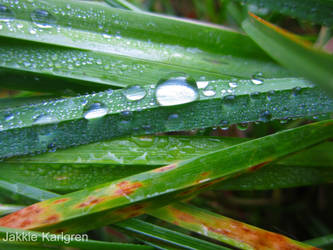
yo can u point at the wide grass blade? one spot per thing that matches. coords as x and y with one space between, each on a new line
137 194
227 230
65 122
324 241
110 47
291 52
317 11
138 228
89 165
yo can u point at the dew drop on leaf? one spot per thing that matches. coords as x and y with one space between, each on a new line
95 110
43 19
232 84
209 91
265 116
45 119
135 93
176 90
257 78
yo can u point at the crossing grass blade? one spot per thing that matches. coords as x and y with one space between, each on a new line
227 230
293 53
317 11
102 47
65 122
141 193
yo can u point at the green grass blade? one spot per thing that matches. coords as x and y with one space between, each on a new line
64 122
324 241
317 11
141 193
229 231
43 239
89 165
291 52
115 48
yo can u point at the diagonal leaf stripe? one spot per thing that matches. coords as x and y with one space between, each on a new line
235 233
137 194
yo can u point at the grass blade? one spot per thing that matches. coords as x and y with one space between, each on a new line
116 48
324 241
137 194
89 165
232 232
64 122
318 11
291 52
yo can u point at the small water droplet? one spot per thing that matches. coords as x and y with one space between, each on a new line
243 126
232 84
202 84
209 91
43 19
257 78
45 119
265 116
173 117
176 90
9 117
5 13
135 93
95 110
296 91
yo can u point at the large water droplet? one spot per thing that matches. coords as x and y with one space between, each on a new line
43 19
95 110
176 90
5 13
135 93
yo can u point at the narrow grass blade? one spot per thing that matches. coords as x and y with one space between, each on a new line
111 47
317 11
9 208
46 239
65 122
154 233
232 232
122 4
292 52
89 165
141 193
324 241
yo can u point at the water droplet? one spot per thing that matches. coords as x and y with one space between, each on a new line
95 110
9 117
232 84
176 90
135 93
202 84
257 78
5 13
296 91
173 117
43 19
45 119
209 91
265 116
243 126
